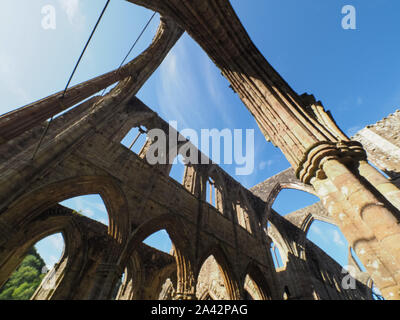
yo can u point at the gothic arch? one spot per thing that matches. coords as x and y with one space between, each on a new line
182 248
261 288
22 241
248 215
73 259
283 246
41 199
220 187
312 217
130 287
231 282
160 278
281 186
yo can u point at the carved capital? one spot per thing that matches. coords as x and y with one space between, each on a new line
311 164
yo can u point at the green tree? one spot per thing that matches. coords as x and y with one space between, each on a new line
25 280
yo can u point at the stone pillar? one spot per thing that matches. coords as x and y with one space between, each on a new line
186 287
370 227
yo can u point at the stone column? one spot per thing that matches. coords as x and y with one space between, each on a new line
367 224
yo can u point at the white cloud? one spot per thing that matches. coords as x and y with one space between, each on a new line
316 230
338 239
211 73
83 207
171 89
52 261
88 212
100 206
265 164
72 10
9 82
57 241
183 88
91 206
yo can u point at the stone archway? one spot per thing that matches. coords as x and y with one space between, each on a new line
31 205
225 267
255 283
183 251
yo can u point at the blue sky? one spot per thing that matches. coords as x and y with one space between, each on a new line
354 72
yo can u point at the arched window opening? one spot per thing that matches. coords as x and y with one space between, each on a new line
290 200
178 169
251 289
38 262
211 192
151 272
276 256
135 139
161 283
91 206
168 289
243 216
210 282
214 194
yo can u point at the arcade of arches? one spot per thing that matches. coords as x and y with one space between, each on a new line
221 243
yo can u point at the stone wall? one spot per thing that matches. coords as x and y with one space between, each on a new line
382 143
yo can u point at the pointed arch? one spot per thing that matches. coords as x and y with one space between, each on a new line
273 195
245 214
130 286
261 289
276 237
46 197
230 280
69 271
181 243
216 181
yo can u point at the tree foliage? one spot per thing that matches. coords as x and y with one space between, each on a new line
24 281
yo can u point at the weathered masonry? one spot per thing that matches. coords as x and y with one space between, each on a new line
220 250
